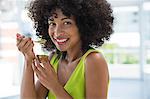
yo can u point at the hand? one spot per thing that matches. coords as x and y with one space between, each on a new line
25 45
45 73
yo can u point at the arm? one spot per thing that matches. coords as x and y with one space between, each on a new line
27 85
28 89
25 45
97 76
41 91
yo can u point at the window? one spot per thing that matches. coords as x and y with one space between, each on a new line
122 51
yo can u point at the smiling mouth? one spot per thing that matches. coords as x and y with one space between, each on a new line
61 41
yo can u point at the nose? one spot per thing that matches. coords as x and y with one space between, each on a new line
58 30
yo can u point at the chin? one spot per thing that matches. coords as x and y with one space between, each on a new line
62 49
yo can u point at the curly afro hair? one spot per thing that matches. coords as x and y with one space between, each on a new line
94 19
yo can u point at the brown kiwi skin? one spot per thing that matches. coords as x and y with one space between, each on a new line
42 58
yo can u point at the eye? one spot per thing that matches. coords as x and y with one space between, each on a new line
67 23
51 24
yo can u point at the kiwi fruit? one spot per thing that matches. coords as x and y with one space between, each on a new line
42 58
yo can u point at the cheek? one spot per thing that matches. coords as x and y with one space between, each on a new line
76 34
50 33
76 38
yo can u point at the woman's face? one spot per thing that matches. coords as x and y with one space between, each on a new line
63 31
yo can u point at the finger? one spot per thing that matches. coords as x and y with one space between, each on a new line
29 45
18 40
44 59
46 64
29 49
29 52
39 67
40 78
38 71
19 37
48 67
22 43
37 57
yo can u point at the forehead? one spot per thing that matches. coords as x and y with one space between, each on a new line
59 14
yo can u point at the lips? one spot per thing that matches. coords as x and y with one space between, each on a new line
61 40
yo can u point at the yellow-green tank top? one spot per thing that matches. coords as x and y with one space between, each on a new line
75 86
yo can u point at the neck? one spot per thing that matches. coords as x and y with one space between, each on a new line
74 54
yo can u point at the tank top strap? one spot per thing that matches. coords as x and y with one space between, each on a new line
90 51
54 61
53 58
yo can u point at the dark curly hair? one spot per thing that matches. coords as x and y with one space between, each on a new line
94 19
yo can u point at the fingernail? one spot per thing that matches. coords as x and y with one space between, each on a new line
17 35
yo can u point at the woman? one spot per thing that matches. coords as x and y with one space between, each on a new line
74 70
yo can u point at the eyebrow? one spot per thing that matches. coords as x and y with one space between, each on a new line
52 19
64 18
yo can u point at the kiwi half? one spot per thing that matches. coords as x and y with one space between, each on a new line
42 58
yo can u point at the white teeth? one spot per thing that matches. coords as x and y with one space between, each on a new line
61 41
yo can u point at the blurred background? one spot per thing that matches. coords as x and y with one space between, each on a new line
127 52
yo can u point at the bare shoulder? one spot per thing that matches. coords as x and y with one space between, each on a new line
94 59
96 66
97 76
